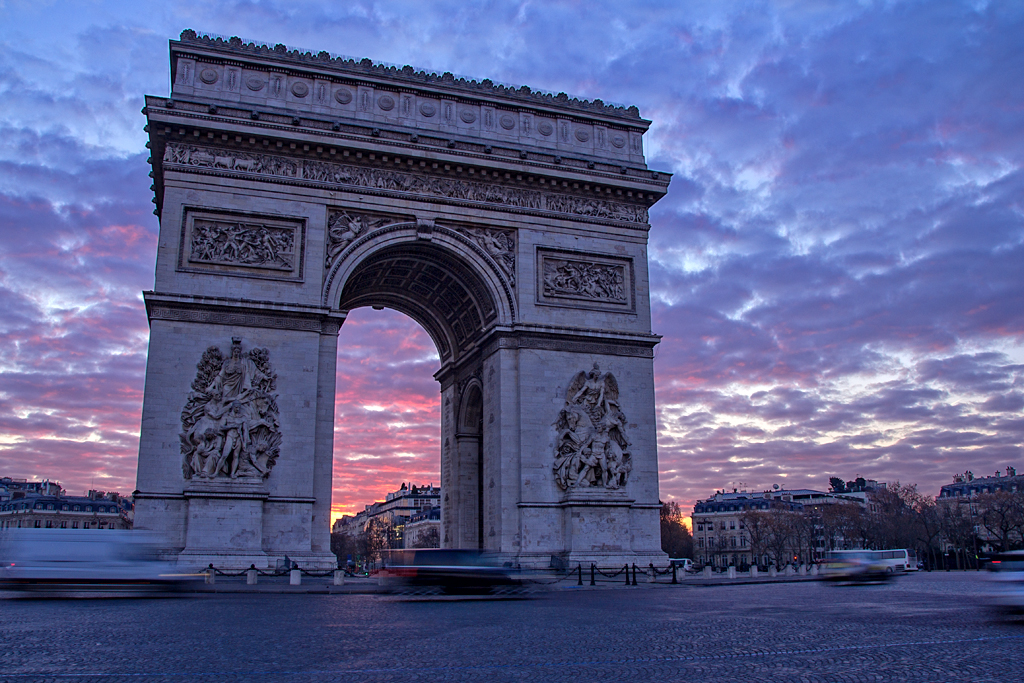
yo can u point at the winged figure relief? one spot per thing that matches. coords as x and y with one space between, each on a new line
591 448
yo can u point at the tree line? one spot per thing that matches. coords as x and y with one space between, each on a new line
948 533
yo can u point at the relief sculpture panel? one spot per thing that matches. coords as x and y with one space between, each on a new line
230 426
232 243
591 449
584 280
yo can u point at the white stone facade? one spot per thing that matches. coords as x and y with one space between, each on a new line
522 252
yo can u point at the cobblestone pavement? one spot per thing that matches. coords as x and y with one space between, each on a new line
924 627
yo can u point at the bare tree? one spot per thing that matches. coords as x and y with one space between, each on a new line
1002 515
755 523
676 539
431 538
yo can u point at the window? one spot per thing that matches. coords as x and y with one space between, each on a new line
49 524
77 508
64 508
733 541
700 542
50 506
37 523
741 523
63 525
732 523
74 525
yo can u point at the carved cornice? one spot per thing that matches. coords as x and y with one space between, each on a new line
407 75
190 158
640 348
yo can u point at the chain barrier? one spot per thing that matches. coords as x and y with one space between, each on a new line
577 572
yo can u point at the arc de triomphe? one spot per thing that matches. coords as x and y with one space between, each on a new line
512 225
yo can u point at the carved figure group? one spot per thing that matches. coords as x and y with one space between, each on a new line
230 423
344 227
242 244
590 280
500 245
591 449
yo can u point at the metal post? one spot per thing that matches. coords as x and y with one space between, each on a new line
674 580
634 573
211 576
627 574
250 575
592 574
654 574
579 574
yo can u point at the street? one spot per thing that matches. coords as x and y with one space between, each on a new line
923 627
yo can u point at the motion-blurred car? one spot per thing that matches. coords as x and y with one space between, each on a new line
854 565
685 563
68 563
1006 581
449 570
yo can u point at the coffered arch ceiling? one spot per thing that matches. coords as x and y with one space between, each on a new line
432 286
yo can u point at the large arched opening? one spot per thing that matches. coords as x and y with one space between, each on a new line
448 289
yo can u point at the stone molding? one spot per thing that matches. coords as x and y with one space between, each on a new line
568 344
192 158
236 312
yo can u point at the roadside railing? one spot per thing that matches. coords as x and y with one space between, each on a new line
584 576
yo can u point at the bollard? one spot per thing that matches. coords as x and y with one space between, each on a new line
789 570
592 574
250 575
295 577
674 580
772 571
634 573
707 572
339 577
814 570
731 572
652 576
803 570
753 571
627 574
579 574
211 576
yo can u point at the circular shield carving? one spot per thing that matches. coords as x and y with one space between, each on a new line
545 128
582 135
428 109
619 141
507 122
468 116
386 102
300 89
208 76
254 83
343 95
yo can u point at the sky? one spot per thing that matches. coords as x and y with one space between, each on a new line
837 270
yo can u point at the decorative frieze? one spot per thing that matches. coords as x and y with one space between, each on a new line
186 156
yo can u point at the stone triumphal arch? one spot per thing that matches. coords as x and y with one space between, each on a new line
512 225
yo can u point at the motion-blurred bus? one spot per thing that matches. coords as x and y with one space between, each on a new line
65 562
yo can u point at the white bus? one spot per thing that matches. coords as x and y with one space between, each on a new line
845 563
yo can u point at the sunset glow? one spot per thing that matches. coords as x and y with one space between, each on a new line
836 270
